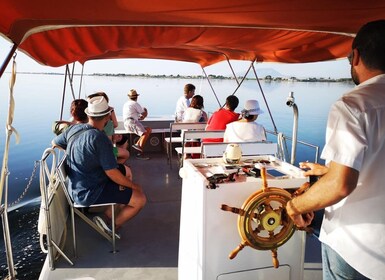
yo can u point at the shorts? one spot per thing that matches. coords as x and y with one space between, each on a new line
134 126
112 193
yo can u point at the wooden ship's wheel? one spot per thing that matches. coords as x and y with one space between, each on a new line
262 221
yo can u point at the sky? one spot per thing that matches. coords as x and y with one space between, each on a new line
330 69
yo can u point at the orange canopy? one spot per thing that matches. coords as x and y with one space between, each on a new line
56 33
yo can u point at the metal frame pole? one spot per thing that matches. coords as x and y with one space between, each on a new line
8 59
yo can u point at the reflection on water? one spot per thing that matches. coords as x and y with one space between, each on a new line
27 256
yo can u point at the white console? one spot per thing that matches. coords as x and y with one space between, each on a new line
208 234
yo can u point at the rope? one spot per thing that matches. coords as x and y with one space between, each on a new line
5 173
9 129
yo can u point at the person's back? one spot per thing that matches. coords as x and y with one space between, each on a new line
246 129
352 180
133 113
195 112
94 175
222 117
88 155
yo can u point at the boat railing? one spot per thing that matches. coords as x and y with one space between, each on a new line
282 146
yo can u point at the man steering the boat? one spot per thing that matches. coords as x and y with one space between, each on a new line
94 174
351 188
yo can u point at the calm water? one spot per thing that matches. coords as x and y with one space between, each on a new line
38 99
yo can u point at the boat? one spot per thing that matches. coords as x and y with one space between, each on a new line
202 32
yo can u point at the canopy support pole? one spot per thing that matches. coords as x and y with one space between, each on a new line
71 78
8 59
64 93
207 78
264 98
81 81
243 79
232 70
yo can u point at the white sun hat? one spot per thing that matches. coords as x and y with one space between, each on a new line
97 107
252 107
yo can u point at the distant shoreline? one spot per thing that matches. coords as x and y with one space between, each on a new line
267 78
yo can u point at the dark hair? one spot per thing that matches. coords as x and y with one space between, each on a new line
197 102
100 93
77 110
188 87
370 43
232 102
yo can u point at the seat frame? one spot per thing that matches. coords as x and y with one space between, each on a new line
179 126
77 209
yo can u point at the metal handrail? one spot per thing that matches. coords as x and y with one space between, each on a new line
315 147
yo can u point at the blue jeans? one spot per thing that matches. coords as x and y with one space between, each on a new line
335 268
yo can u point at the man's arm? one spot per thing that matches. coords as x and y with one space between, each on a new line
335 185
54 145
116 176
144 114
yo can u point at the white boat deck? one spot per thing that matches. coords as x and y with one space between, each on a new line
148 248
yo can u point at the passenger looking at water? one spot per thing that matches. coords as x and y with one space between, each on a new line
77 111
77 116
184 101
94 175
133 113
222 117
246 129
121 153
195 113
351 188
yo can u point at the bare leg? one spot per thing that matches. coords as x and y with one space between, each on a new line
126 212
138 200
123 155
143 139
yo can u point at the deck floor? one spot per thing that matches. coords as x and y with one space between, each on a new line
148 248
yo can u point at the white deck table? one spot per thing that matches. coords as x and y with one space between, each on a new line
208 234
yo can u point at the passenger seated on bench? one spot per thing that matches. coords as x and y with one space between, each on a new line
94 175
193 114
121 153
184 102
246 129
77 116
133 113
222 117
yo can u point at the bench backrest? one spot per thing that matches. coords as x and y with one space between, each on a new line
179 126
248 149
201 134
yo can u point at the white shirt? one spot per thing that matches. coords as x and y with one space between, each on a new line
181 105
355 137
132 109
192 115
244 132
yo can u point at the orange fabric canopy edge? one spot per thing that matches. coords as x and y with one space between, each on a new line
203 32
